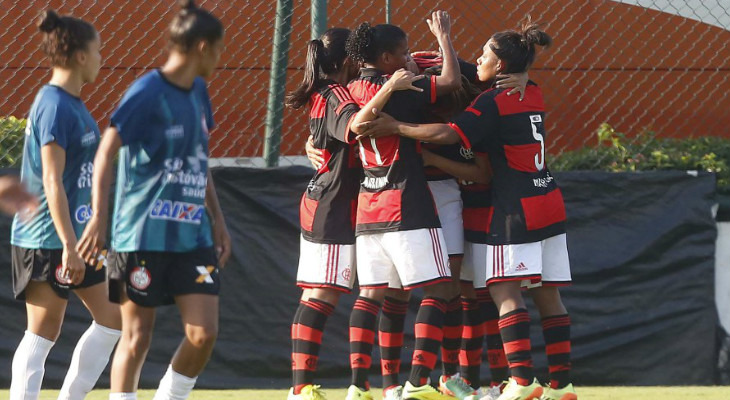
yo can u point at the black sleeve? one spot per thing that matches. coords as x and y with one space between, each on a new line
469 70
341 110
477 121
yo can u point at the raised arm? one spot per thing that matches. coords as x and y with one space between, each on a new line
53 158
93 239
450 78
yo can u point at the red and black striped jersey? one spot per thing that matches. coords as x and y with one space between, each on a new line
527 203
327 208
394 194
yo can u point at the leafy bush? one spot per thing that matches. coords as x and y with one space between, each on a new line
616 152
11 141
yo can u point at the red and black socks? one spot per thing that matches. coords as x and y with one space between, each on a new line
452 337
390 337
498 366
429 334
514 327
556 330
307 330
362 336
470 355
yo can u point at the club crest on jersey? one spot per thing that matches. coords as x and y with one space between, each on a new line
177 211
205 271
346 274
140 277
467 154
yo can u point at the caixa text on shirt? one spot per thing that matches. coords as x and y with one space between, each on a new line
177 211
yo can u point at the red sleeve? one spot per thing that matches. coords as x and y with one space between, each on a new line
477 122
341 111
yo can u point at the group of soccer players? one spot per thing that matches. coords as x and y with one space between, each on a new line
451 193
384 207
169 236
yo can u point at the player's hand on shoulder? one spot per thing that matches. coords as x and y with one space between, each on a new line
403 80
516 82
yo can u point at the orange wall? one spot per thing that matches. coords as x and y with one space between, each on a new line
615 63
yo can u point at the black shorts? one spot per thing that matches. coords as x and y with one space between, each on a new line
46 266
154 278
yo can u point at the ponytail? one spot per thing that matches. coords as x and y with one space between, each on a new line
63 36
517 49
324 56
193 24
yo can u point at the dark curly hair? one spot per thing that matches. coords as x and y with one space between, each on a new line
192 24
63 36
517 49
367 43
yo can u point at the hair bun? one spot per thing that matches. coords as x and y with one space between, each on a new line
49 21
188 4
534 36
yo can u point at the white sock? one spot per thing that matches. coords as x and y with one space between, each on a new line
29 366
174 386
88 362
123 396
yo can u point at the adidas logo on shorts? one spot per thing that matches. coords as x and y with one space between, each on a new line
521 267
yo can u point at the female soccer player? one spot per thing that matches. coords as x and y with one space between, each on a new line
165 247
61 139
327 253
527 223
399 239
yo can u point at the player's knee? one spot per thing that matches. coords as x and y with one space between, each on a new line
442 291
202 336
136 342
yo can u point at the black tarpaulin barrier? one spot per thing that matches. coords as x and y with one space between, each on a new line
642 303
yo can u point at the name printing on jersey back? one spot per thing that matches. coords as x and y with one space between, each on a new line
177 211
543 182
375 183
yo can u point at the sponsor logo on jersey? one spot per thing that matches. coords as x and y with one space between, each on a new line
177 211
175 132
205 271
467 154
88 138
83 213
140 277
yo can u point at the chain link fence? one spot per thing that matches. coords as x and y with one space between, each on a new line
637 65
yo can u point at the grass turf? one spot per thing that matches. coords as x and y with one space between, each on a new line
584 393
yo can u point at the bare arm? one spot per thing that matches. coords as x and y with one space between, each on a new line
401 80
450 78
53 159
386 125
221 237
93 239
478 172
15 199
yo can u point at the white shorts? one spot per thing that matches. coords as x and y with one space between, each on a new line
447 196
474 266
326 265
545 262
402 260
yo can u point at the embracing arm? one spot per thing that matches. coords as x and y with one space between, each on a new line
401 80
478 172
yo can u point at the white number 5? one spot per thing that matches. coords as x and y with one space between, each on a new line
539 158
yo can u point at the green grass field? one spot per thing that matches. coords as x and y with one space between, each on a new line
584 393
